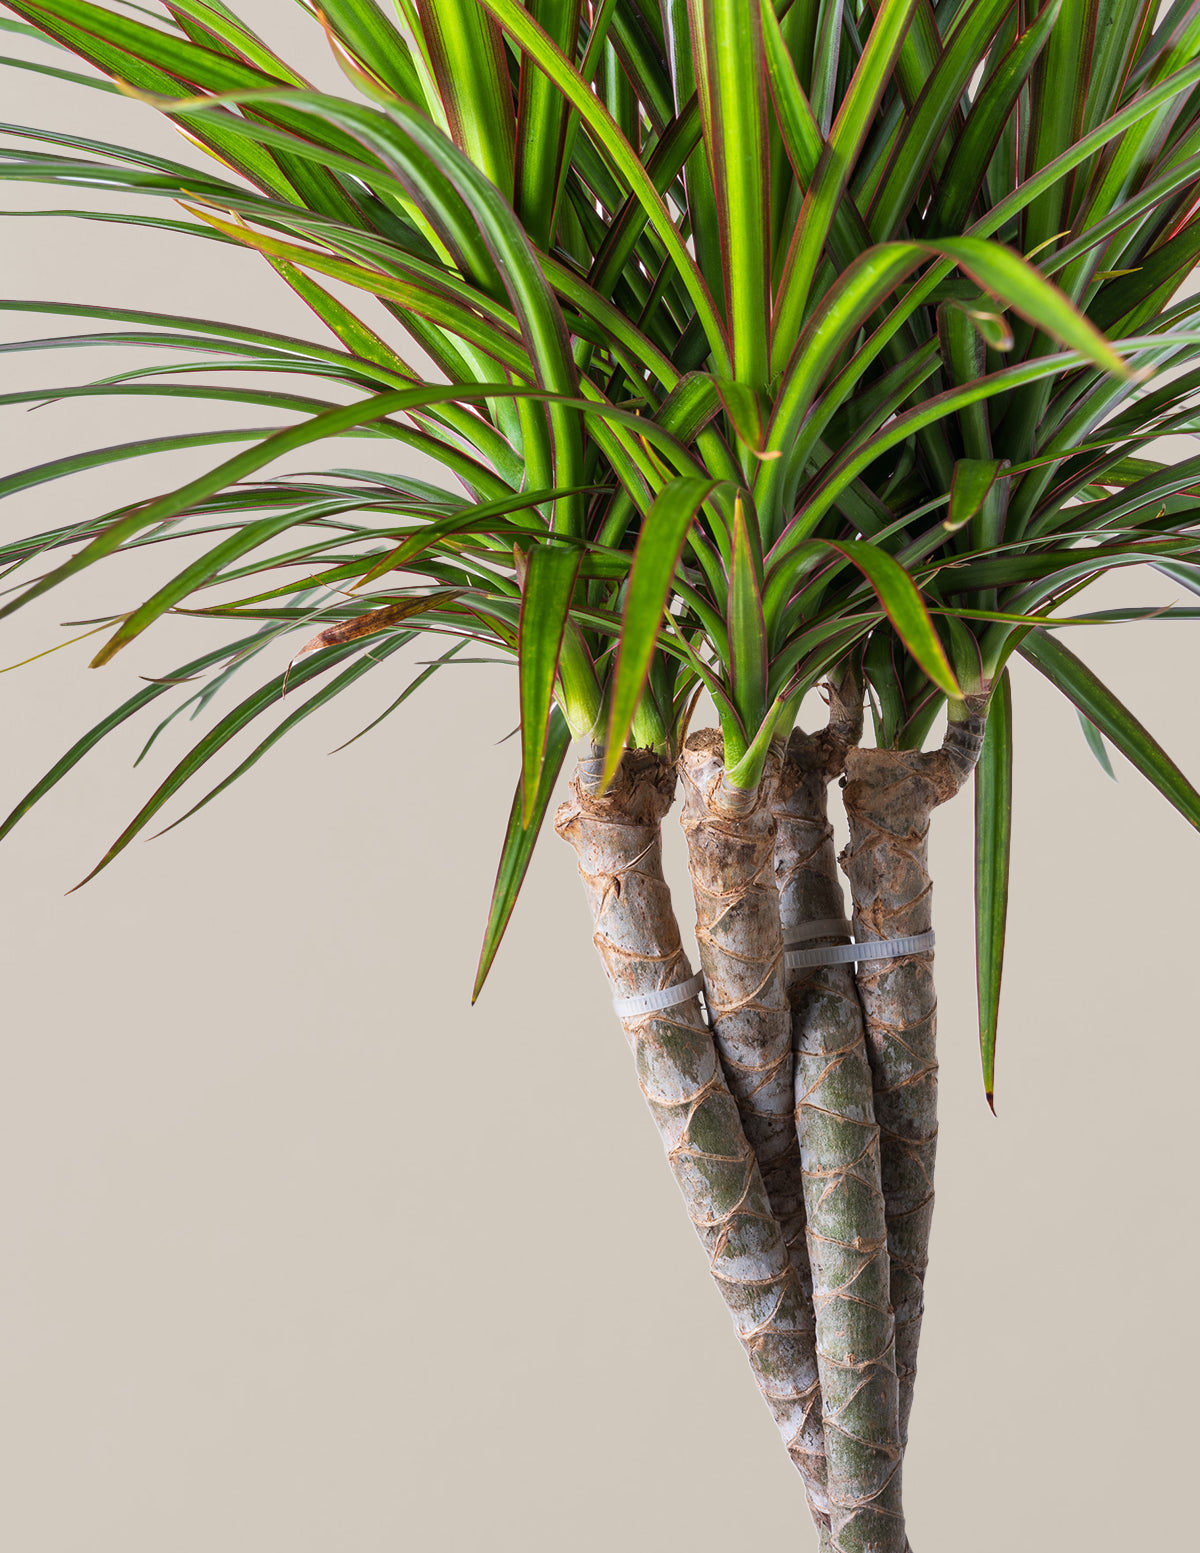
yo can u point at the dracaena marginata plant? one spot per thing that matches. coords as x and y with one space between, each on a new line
762 349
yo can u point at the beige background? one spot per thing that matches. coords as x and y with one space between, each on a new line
301 1254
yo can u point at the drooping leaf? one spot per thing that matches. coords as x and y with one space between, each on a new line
1095 742
151 692
1118 724
993 847
340 682
904 607
331 423
520 838
230 725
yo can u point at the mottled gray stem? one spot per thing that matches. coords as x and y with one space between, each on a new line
839 1147
617 839
889 796
731 859
731 851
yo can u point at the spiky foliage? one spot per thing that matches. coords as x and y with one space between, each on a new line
759 346
737 366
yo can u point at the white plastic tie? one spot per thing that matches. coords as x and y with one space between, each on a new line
651 1002
849 954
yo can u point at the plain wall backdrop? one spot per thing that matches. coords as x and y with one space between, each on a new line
302 1254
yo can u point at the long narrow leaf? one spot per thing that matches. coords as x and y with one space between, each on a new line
728 44
654 561
550 573
127 709
520 838
748 661
1077 682
533 40
904 607
993 847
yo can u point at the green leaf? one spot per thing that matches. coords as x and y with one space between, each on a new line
744 771
837 476
842 313
543 120
533 301
231 724
356 336
331 423
216 25
550 573
1095 742
993 846
1125 303
1017 284
1141 106
904 607
368 661
469 62
621 157
126 710
855 119
465 519
932 120
76 463
1077 682
156 62
1189 576
1056 114
973 479
851 301
731 86
35 67
23 30
200 572
655 559
429 670
747 629
744 407
377 46
429 300
964 358
520 838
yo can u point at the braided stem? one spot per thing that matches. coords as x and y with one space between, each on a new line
617 840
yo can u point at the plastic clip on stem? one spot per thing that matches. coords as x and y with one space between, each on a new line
667 997
847 954
793 958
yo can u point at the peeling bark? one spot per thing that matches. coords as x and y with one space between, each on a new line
839 1145
617 839
889 796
